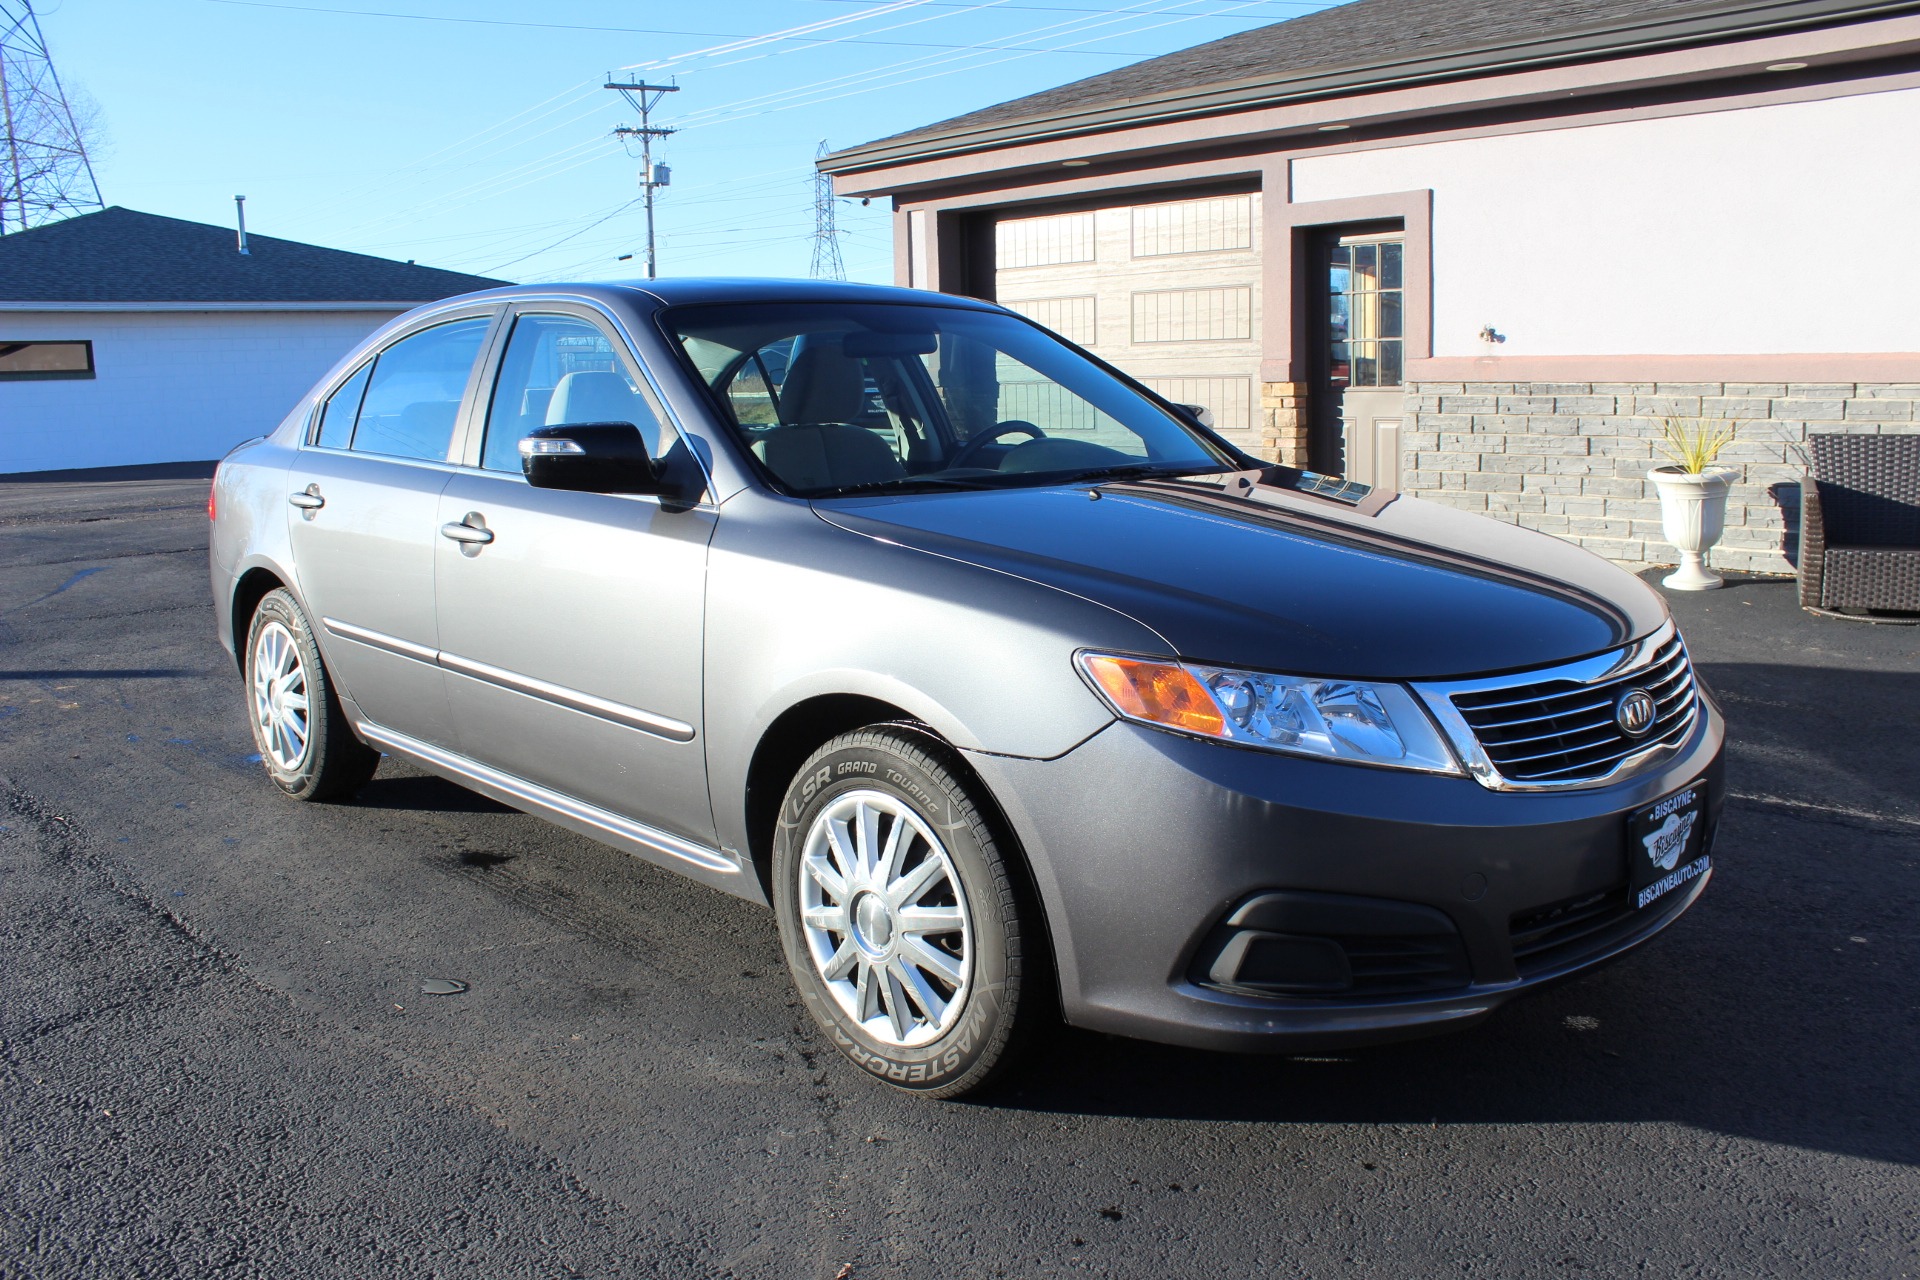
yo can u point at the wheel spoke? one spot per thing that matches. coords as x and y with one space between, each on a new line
907 890
843 852
932 959
842 960
868 840
831 918
866 994
922 992
295 702
827 878
896 1001
930 920
899 839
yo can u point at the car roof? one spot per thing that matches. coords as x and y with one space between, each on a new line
674 291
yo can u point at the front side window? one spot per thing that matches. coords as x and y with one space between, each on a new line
559 371
412 399
842 397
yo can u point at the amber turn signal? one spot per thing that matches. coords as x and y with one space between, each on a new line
1160 692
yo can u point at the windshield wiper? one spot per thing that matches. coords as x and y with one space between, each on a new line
1142 471
907 484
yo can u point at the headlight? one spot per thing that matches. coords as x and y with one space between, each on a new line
1353 720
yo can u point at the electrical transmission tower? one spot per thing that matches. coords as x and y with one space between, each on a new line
644 98
826 235
44 171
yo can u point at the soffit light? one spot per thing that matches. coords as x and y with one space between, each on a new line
1786 66
1334 128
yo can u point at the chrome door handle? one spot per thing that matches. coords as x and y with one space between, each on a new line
308 499
470 532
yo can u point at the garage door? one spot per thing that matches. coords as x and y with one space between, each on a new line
1168 291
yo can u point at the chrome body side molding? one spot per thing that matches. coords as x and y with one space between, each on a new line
585 703
651 843
574 700
380 640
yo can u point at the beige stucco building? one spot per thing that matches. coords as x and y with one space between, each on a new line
1477 252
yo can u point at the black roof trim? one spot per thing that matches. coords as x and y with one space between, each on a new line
1102 103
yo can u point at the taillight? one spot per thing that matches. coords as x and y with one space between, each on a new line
211 488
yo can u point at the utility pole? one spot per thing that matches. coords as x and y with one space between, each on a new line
44 171
826 235
643 97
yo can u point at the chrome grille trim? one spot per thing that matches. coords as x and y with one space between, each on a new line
1496 724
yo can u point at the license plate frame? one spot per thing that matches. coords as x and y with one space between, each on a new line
1667 845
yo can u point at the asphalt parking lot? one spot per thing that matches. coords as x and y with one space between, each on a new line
216 1056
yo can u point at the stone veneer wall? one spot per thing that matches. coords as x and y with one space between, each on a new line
1571 459
1281 432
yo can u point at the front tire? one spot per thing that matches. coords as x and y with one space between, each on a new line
302 734
901 917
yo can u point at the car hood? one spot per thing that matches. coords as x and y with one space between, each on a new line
1281 580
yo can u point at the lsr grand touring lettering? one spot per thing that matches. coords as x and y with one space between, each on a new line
1016 691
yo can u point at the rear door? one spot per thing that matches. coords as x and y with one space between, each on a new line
571 635
363 499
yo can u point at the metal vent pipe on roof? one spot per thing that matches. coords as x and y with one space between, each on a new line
240 208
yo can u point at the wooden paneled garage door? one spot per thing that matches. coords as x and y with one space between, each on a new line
1168 291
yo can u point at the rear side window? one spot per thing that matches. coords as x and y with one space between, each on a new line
561 370
342 407
413 395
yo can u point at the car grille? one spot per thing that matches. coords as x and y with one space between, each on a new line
1559 730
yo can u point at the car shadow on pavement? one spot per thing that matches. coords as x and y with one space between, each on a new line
1785 1007
423 793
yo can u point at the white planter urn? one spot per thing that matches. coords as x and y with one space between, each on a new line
1693 512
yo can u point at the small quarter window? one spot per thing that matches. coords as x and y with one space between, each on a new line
413 395
342 407
27 361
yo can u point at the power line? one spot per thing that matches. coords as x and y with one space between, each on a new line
633 31
563 239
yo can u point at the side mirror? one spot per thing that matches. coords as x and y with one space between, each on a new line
592 457
1198 412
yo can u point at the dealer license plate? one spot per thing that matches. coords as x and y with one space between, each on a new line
1666 844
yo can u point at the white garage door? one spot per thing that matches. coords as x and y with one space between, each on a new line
1169 292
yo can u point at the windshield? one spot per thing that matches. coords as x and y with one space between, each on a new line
840 398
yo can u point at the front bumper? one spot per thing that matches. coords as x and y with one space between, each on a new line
1143 843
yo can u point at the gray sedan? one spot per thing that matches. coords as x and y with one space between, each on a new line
1016 691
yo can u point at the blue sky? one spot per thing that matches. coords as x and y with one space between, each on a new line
474 135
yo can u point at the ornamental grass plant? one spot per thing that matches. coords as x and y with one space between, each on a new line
1691 444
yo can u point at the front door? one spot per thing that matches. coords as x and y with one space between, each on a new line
363 497
571 636
1360 367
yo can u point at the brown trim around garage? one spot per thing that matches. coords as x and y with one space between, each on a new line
1283 260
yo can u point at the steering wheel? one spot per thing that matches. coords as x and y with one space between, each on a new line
965 453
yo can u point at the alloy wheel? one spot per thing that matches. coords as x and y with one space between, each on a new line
280 709
885 918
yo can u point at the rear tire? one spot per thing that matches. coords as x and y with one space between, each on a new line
305 742
903 921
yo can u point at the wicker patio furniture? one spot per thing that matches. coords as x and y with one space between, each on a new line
1860 525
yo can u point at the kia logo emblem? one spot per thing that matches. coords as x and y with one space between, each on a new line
1635 712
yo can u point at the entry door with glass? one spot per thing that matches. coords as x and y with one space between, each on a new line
1362 357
